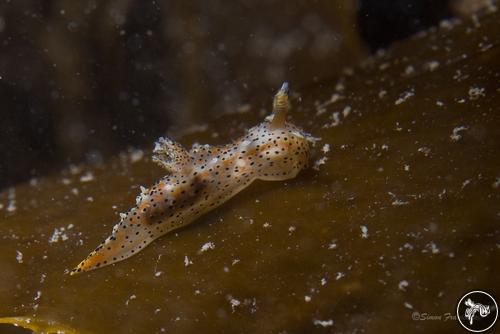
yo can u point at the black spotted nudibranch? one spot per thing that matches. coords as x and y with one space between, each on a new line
204 178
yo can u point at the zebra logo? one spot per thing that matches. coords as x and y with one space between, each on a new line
473 308
477 311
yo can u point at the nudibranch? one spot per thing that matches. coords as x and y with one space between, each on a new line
202 179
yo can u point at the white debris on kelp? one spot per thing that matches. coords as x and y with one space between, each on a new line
11 204
19 256
323 323
476 92
136 155
207 246
404 96
87 177
364 231
456 136
403 285
60 234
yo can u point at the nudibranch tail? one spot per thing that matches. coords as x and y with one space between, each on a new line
124 241
281 104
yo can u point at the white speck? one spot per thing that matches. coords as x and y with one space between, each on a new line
466 183
382 93
234 303
332 244
132 297
384 66
307 299
74 169
158 273
321 108
235 261
396 201
339 275
485 46
266 225
364 231
476 92
87 177
60 234
66 181
346 111
323 281
409 70
292 229
319 162
336 120
158 310
207 246
439 103
433 248
42 278
11 205
408 305
408 246
75 191
187 261
407 168
136 155
431 65
90 199
456 136
425 150
326 148
403 97
38 295
403 285
19 256
323 323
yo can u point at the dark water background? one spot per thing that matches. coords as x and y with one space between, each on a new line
81 80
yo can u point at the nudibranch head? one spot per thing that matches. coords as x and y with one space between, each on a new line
277 149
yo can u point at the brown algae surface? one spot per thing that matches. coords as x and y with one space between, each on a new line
398 214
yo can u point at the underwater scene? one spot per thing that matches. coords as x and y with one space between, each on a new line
249 167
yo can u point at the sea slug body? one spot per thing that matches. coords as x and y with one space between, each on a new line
204 178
